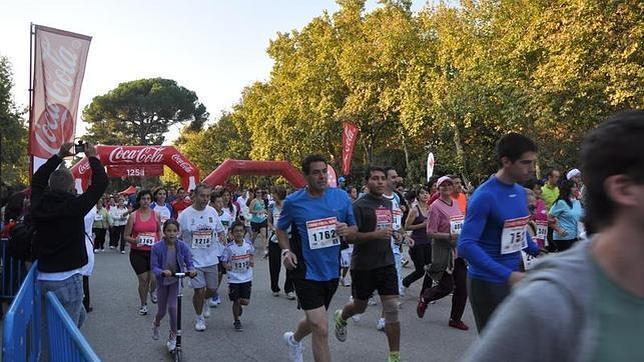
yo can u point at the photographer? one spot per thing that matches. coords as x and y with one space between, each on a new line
58 215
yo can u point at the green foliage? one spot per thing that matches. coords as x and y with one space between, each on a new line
14 162
141 111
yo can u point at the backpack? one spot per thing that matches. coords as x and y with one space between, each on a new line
20 241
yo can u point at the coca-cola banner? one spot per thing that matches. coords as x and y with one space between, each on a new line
59 67
138 161
349 134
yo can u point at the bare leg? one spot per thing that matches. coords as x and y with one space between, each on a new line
144 284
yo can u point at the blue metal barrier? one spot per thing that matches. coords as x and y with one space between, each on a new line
21 337
65 340
13 273
21 329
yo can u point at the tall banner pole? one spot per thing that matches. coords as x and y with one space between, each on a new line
32 35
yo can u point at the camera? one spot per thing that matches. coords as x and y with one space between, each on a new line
79 147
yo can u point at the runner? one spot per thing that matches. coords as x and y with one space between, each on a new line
274 259
318 217
100 226
550 190
421 252
238 258
444 222
568 211
396 242
181 203
168 257
459 195
142 230
118 221
202 230
372 264
160 206
217 202
494 231
598 312
229 205
258 219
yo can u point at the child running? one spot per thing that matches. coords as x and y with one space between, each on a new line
238 259
168 257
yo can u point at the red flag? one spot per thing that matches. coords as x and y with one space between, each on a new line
59 67
349 134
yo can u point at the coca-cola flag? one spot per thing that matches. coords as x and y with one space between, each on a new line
59 67
349 134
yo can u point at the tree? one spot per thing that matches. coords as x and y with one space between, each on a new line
13 132
140 112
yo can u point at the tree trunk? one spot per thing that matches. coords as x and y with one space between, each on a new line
460 153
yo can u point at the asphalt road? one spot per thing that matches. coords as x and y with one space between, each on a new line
118 333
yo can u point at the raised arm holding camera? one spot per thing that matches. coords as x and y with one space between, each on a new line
58 214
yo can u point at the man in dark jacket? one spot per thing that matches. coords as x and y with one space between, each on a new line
58 216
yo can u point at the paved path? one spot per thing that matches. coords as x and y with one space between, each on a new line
118 333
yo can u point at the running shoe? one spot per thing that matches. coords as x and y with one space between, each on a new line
153 296
276 294
200 324
394 357
340 326
421 308
171 344
290 296
458 325
356 317
206 309
214 302
238 326
295 349
381 324
345 282
122 251
372 301
155 332
96 251
404 262
403 290
111 247
143 310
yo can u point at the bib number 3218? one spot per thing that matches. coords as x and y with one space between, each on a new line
322 233
514 236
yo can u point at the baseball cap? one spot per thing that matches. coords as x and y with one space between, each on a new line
443 179
573 173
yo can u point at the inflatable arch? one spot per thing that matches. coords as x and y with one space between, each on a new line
250 168
142 161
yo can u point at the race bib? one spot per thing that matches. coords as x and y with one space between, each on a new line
146 239
528 260
322 233
383 218
514 236
455 224
542 231
397 224
201 239
240 263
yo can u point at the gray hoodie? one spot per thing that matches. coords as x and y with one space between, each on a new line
548 316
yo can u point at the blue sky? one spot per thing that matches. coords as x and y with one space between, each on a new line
215 48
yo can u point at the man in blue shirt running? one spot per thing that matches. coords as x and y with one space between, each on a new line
494 231
318 217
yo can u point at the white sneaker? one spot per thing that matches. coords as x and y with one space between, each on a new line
381 324
372 301
340 326
402 291
356 317
206 309
345 282
171 344
290 296
294 348
200 324
143 310
214 302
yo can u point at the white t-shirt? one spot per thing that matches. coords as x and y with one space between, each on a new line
89 245
226 218
239 259
116 215
162 210
397 214
200 229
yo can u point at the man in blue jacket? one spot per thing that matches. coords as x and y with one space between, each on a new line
58 216
494 231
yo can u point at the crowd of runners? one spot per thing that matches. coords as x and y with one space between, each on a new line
470 243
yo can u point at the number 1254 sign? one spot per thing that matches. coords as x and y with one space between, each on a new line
131 171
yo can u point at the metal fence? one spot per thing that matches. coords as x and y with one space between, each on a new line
22 328
13 273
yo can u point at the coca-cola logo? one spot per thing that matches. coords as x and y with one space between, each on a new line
83 167
182 163
59 67
53 128
136 155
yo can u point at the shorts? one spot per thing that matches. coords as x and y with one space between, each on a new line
312 294
345 257
365 282
206 277
256 226
239 291
140 261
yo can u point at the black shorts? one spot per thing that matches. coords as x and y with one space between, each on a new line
257 226
140 261
365 282
239 291
312 294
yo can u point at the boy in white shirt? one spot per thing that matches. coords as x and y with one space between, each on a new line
238 259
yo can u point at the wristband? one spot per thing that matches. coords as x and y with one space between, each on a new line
284 251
